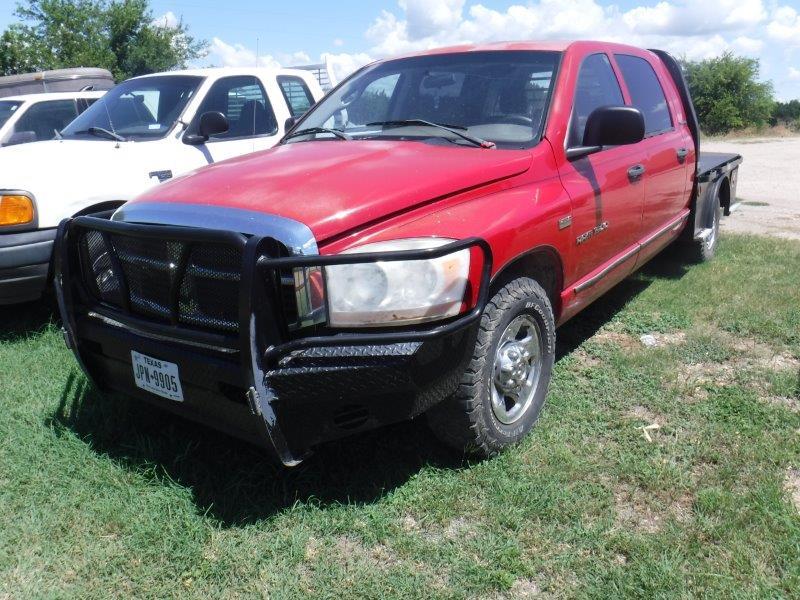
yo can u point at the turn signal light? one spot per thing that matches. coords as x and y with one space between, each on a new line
15 210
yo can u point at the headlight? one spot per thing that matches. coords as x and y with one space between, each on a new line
397 292
15 209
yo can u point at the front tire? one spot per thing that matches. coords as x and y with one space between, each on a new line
503 389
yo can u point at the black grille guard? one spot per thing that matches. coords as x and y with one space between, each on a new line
261 340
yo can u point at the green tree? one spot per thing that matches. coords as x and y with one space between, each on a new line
119 35
727 93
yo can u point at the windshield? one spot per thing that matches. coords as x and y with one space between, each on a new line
7 109
500 97
137 109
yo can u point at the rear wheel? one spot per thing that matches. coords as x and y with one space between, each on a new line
502 391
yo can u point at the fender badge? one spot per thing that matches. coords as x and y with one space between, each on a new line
564 222
162 176
585 237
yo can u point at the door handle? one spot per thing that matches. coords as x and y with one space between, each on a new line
682 154
635 172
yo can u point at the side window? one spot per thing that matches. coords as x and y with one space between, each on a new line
244 102
597 86
84 103
296 93
45 118
646 93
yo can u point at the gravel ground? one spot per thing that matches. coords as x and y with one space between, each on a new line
769 185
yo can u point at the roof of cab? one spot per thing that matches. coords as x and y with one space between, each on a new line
54 96
544 46
220 71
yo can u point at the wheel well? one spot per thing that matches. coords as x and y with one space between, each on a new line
543 265
100 207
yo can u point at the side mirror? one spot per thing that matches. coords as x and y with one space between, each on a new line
609 126
21 137
289 123
211 123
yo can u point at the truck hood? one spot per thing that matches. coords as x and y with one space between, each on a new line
67 175
336 186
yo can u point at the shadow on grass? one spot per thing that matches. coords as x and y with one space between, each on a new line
236 483
19 321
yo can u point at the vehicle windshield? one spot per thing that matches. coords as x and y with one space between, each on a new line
7 109
137 109
494 96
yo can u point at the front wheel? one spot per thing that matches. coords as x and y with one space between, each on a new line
503 389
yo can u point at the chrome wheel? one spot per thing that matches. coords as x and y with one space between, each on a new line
517 368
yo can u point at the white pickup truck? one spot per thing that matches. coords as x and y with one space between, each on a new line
36 117
144 131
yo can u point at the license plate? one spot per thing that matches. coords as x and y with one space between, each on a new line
157 376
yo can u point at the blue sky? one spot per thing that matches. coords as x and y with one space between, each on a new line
354 32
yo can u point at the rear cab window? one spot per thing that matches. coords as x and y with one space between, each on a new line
296 94
646 93
596 86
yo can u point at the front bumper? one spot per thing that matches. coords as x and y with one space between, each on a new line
288 393
24 264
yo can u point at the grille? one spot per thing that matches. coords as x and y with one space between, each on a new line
194 284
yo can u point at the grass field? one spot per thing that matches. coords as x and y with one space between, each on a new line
107 498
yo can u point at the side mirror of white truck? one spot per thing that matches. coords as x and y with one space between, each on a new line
211 123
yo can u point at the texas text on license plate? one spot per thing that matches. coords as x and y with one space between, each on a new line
157 376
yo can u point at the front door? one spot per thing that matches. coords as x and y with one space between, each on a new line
253 125
605 190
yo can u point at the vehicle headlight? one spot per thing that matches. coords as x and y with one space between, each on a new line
16 209
397 292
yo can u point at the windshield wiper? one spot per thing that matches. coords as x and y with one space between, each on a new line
450 128
309 130
101 132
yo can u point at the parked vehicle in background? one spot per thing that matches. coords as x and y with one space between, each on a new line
38 117
409 248
144 131
80 79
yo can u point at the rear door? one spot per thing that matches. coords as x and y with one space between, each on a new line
606 200
668 152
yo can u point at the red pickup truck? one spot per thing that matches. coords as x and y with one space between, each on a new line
409 248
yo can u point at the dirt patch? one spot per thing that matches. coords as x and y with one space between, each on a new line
616 338
792 404
792 486
635 510
524 588
460 529
347 549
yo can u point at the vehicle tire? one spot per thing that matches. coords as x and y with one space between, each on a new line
503 388
698 251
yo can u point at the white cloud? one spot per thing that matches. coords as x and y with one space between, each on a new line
344 64
168 20
794 74
236 55
295 58
689 28
784 25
